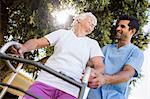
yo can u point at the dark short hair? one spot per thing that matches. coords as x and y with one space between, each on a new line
134 23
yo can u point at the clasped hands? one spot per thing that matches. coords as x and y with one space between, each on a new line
96 79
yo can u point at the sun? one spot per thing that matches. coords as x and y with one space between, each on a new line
62 16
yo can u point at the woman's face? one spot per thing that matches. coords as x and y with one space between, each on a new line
88 25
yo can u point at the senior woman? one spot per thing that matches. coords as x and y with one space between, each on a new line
72 50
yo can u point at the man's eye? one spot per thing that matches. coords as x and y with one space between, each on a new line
122 26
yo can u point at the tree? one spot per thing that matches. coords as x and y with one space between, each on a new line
21 20
25 19
3 29
107 11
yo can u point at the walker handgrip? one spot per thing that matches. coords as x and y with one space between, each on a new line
5 47
86 75
82 94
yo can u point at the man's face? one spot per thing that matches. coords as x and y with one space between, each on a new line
123 32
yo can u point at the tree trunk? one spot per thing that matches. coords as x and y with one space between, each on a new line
4 70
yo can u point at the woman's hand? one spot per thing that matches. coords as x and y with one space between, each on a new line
19 51
96 79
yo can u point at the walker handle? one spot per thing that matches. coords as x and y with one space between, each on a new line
5 47
86 75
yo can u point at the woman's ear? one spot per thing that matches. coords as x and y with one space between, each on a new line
78 21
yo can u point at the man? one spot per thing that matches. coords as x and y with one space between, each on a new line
122 61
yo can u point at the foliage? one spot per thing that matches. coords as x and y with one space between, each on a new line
32 19
26 19
107 11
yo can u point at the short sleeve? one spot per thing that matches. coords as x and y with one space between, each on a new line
104 49
95 50
136 60
53 37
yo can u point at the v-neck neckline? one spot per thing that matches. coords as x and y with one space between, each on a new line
122 47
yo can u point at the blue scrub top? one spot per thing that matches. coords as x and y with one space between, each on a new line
115 59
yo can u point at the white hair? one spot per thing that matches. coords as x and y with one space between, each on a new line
82 16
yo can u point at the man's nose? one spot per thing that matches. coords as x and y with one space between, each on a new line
118 28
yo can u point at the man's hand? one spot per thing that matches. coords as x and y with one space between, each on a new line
96 79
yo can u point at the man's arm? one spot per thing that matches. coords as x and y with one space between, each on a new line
122 76
97 80
33 44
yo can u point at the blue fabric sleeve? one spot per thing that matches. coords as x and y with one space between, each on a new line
136 60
